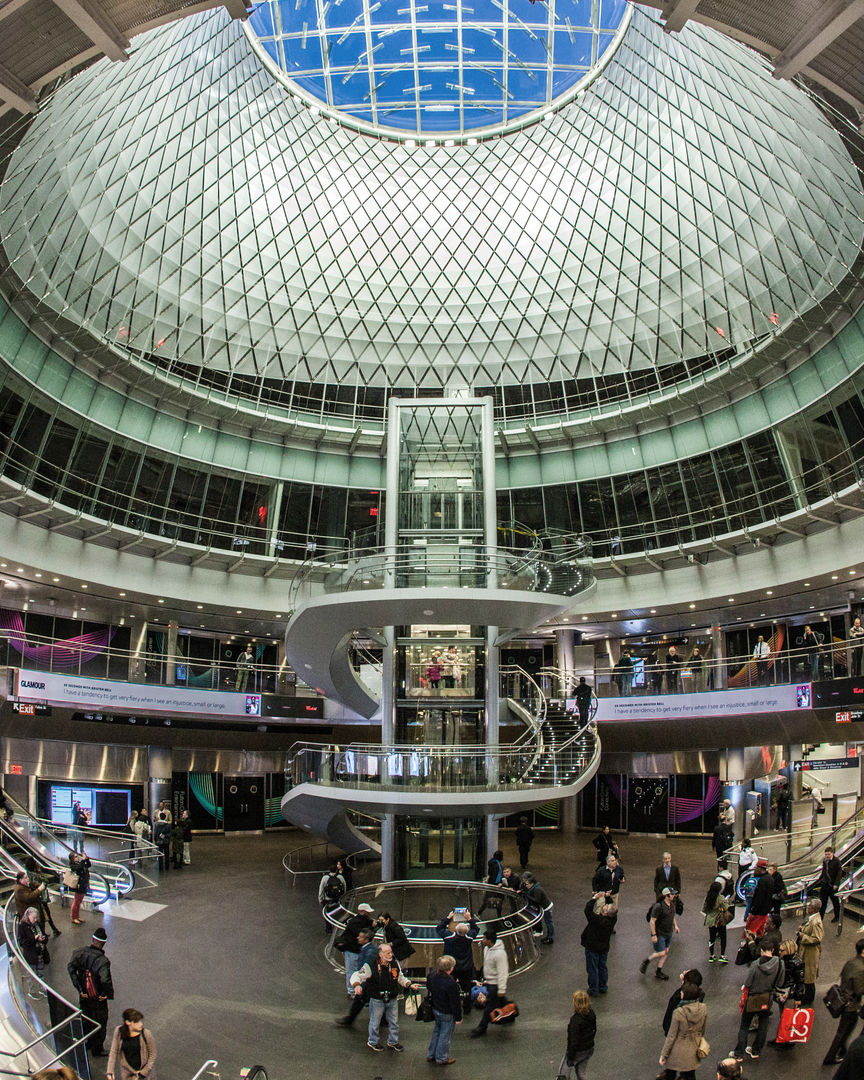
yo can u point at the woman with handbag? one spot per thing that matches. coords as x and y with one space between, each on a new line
685 1045
718 915
763 978
32 941
33 944
133 1052
77 878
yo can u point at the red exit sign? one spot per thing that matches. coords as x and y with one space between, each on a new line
16 770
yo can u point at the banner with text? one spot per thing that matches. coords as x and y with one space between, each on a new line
76 692
766 699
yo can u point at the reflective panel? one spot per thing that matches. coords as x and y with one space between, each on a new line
436 67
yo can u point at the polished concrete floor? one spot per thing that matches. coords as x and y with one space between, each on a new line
232 968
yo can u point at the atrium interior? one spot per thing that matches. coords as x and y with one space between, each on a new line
371 374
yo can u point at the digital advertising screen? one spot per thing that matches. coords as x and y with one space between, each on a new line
103 805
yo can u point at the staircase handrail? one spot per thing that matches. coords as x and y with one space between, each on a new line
287 858
535 728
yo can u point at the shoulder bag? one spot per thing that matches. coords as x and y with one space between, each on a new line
425 1012
703 1048
70 879
835 1001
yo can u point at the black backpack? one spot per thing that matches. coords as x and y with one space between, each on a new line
333 888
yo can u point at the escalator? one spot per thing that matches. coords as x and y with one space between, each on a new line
802 873
24 837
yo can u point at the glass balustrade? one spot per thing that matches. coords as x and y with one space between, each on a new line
443 768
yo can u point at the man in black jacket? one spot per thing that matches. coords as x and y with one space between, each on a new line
829 882
609 878
447 1007
382 979
361 921
536 895
852 985
524 840
666 876
90 971
595 941
459 943
852 1065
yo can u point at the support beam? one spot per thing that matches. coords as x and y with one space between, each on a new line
833 18
676 14
90 18
17 93
236 9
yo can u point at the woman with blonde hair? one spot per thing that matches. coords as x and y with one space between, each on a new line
133 1052
580 1037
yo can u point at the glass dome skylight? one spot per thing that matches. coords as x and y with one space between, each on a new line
437 66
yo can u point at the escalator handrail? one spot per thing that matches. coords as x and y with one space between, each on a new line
12 944
55 865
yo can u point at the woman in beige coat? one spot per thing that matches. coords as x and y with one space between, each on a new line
810 936
133 1052
678 1055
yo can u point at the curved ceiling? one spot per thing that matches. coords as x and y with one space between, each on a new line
185 205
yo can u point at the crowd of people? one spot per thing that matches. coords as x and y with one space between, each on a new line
781 968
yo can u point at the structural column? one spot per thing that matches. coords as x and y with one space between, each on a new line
137 655
171 655
159 769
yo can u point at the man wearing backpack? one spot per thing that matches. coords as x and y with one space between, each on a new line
90 971
330 891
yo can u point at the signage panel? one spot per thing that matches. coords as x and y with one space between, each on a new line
838 693
765 699
825 764
31 708
77 692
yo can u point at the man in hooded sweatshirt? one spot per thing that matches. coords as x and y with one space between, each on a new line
496 970
763 977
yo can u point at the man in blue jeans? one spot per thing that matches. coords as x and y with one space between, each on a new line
762 979
383 978
447 1007
601 916
663 926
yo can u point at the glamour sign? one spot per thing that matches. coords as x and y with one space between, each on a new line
76 692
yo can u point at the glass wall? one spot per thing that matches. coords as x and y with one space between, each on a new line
110 651
757 479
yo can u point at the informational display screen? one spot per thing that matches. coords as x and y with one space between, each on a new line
103 805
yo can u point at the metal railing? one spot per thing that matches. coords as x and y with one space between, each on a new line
61 1041
446 563
103 660
323 855
370 766
49 846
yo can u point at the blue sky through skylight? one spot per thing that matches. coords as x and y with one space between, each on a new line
436 66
